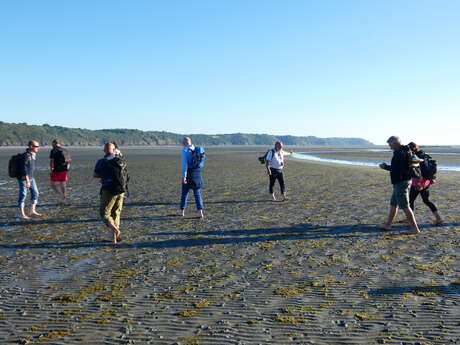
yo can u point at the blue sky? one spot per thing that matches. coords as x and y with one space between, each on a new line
352 68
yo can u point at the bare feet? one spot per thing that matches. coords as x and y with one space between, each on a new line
273 197
285 198
384 227
34 214
23 216
413 232
181 213
116 236
200 214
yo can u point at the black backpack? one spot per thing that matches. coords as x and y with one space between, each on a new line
429 167
263 159
119 175
14 165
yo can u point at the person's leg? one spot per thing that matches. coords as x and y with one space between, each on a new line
107 203
55 188
413 193
64 191
184 197
402 190
116 212
391 217
198 201
426 199
22 198
282 185
33 198
272 179
412 222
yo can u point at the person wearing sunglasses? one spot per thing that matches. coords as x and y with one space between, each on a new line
26 181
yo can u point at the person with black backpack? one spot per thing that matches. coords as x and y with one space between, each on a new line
422 184
112 171
402 169
59 166
22 167
193 158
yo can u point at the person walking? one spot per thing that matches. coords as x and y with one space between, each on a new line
274 163
113 174
421 186
401 179
59 166
191 177
27 181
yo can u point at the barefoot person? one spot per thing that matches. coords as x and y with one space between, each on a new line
112 191
401 180
274 162
191 178
26 180
59 166
421 186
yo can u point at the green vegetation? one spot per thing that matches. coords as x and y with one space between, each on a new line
20 133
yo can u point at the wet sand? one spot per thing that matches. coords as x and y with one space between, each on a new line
311 270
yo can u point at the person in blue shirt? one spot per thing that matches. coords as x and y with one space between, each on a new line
191 179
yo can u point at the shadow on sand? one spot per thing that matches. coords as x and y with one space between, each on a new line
451 289
295 232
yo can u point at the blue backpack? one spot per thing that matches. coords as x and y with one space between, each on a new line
198 158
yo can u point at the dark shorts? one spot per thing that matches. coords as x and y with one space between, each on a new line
59 176
400 196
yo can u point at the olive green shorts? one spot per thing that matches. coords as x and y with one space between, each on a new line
110 207
400 197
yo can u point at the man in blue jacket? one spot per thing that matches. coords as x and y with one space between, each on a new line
401 180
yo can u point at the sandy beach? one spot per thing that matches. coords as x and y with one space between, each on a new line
311 270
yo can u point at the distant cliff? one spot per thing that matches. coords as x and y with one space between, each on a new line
13 134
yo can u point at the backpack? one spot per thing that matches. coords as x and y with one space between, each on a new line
198 158
15 165
263 159
119 175
429 167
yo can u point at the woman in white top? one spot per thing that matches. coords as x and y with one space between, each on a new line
274 163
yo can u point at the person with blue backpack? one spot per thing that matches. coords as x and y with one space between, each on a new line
193 158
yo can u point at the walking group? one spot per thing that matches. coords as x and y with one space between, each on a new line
412 172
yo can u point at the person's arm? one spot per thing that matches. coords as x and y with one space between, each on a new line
51 164
26 168
385 166
184 166
268 160
97 170
288 153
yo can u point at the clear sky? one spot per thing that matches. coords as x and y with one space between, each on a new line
354 68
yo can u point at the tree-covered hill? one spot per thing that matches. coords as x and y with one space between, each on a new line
13 134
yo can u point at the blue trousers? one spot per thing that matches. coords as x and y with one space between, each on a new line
23 192
196 193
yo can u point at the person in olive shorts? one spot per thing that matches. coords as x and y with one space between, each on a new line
110 204
59 166
401 180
